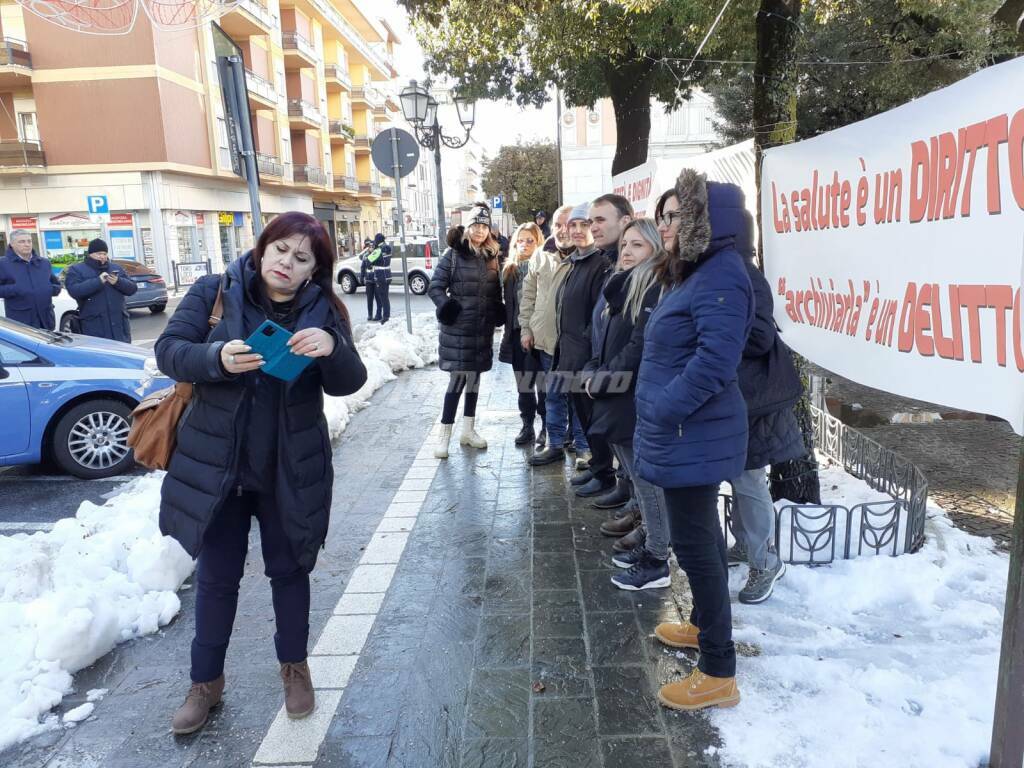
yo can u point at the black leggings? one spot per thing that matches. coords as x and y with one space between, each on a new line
459 381
371 294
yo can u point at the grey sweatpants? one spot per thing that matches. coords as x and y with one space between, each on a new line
753 517
652 503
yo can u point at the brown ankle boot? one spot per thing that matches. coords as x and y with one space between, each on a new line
201 698
620 526
298 690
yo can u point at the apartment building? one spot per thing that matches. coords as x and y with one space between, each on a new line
140 119
589 136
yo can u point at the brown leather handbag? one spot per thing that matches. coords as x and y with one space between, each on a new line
155 420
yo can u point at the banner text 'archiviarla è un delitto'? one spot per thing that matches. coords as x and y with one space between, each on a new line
895 246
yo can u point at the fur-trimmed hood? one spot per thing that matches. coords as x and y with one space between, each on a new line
713 215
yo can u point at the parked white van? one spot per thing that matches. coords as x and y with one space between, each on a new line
422 256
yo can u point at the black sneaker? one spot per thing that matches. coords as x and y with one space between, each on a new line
737 555
648 573
760 584
628 559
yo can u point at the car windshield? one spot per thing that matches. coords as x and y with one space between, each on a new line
48 337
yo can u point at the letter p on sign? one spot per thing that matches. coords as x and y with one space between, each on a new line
97 204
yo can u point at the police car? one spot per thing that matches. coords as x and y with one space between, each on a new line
68 398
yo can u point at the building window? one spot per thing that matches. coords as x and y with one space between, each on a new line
186 249
28 126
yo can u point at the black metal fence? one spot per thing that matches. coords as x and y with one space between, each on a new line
818 534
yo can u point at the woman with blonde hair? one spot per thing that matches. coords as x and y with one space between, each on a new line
525 362
466 289
631 293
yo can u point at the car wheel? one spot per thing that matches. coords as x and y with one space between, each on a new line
348 283
67 320
91 440
156 309
418 284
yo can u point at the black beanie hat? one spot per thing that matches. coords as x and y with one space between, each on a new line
97 246
378 239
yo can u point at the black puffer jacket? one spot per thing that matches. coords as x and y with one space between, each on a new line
770 385
205 466
511 350
466 344
612 372
576 301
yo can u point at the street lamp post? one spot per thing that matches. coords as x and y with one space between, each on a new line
420 109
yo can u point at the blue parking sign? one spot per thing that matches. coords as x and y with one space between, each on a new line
498 202
97 204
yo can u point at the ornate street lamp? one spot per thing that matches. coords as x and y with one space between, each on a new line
420 110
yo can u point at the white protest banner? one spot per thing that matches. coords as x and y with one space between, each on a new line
895 246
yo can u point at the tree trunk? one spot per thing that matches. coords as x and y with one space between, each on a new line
630 91
775 76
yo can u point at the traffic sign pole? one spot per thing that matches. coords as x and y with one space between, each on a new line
396 173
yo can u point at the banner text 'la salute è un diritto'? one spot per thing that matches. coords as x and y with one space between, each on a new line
896 246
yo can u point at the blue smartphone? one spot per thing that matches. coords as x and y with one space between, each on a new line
271 341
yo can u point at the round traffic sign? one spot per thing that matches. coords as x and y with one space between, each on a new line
382 152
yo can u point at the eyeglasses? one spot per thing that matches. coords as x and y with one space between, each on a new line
666 219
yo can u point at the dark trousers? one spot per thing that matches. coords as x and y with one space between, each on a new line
219 572
383 301
457 382
601 462
699 544
371 294
532 399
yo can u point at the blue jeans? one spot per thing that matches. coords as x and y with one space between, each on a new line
557 407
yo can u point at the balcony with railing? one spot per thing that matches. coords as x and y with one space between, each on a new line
369 96
310 174
337 77
16 154
362 50
386 192
304 113
260 89
268 165
364 141
15 63
369 188
244 18
298 51
347 183
341 131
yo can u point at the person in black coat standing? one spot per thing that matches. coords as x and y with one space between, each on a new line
250 445
466 289
540 218
631 294
576 301
525 362
380 260
100 288
771 386
366 276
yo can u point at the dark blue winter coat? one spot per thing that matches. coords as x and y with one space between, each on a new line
205 466
101 309
691 419
28 288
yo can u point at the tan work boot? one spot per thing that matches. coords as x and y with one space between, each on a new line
201 698
678 635
298 690
700 691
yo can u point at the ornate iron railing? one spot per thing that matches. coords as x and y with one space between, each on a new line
818 534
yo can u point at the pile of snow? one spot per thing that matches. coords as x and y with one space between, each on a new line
881 661
107 575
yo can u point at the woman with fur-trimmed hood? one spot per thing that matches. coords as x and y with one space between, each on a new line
691 420
466 289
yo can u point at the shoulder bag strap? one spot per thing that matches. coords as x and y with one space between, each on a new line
218 306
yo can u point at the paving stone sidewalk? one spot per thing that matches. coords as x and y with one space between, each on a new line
501 641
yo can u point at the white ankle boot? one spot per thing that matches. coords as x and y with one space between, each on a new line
441 452
469 435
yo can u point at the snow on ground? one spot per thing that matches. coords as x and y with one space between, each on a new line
879 661
107 575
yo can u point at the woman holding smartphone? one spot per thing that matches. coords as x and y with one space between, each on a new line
251 445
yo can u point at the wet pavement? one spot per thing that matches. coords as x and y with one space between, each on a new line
970 459
464 614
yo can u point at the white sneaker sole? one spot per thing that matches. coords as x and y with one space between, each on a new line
771 588
664 581
621 563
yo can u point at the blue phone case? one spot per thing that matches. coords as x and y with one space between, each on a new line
271 341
